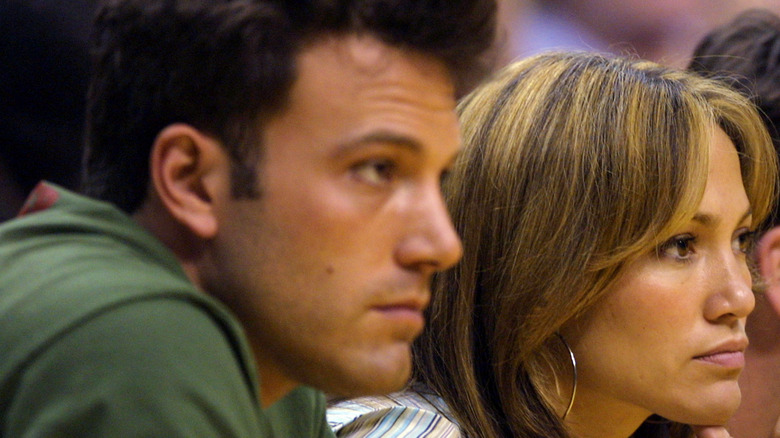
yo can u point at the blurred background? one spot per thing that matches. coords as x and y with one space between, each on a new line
44 68
664 31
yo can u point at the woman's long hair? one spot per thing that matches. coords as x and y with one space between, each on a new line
573 164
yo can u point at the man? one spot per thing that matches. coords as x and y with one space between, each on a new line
747 51
271 212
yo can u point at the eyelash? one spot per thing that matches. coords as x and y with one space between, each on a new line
380 172
746 240
384 170
687 239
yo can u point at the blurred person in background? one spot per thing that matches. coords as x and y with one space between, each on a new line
746 53
664 31
627 27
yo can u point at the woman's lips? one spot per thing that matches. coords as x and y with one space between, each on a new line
729 354
726 359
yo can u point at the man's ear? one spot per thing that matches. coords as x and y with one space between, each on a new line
769 264
189 171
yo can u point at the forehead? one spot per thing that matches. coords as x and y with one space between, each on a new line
723 195
724 175
352 87
357 64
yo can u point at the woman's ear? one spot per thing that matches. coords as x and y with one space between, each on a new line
189 171
769 264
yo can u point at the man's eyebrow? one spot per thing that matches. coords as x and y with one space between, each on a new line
707 219
380 137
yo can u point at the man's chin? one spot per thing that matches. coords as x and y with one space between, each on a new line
377 379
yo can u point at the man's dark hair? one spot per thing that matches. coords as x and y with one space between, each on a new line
746 53
225 67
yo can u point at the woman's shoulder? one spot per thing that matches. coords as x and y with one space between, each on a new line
408 413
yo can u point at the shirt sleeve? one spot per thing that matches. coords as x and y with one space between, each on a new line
154 367
396 421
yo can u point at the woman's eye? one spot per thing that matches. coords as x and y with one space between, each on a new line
375 172
745 242
678 247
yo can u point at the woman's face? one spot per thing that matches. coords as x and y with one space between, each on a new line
669 337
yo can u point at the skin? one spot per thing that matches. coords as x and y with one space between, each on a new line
645 347
328 269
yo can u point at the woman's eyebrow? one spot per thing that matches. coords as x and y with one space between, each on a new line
707 219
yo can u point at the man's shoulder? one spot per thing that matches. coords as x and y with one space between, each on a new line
300 413
69 261
151 366
81 279
52 285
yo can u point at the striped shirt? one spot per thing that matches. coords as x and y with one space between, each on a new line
406 414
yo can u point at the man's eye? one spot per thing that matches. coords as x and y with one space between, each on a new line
678 247
375 172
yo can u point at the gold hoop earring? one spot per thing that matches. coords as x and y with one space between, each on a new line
574 372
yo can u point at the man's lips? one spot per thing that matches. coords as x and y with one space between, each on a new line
408 312
412 302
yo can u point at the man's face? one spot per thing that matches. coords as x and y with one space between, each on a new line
329 268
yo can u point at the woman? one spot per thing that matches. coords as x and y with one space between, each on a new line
606 208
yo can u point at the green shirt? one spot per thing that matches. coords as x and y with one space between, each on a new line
102 335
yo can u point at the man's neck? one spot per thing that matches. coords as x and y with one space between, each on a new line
274 384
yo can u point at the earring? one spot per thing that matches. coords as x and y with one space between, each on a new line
574 372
